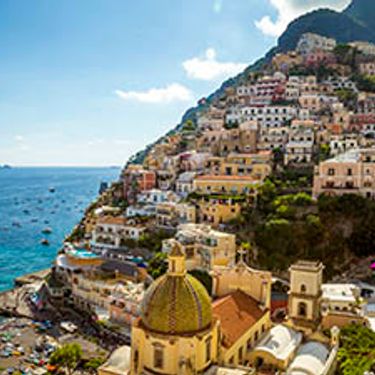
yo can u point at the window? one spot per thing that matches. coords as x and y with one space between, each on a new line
136 359
303 288
208 349
331 172
350 172
158 357
240 355
302 309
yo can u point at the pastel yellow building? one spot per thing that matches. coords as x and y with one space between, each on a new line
215 211
256 165
203 247
210 184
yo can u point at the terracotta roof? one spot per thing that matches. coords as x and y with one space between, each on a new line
226 178
237 313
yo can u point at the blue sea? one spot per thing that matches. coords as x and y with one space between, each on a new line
27 206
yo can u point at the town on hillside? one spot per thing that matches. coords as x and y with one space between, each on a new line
243 241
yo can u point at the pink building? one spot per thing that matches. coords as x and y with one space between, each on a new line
350 173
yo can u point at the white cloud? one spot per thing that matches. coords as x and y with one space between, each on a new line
218 6
208 68
288 10
19 138
171 93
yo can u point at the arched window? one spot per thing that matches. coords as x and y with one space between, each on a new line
208 349
303 288
158 357
302 309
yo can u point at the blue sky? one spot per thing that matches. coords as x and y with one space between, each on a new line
89 82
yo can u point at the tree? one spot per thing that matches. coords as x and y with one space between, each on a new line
93 364
357 350
157 265
67 356
204 277
188 126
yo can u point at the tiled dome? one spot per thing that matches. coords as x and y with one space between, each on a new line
176 304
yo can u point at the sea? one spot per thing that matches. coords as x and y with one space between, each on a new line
32 199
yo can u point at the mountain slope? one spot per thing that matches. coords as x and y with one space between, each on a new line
363 12
356 22
339 26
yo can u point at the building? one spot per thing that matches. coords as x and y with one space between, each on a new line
177 333
256 165
298 346
342 143
124 302
300 146
210 184
184 183
218 210
310 42
367 69
93 291
305 295
204 247
169 214
365 47
342 305
349 173
112 231
135 180
272 116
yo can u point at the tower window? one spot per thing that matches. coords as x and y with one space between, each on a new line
302 309
303 288
158 357
136 359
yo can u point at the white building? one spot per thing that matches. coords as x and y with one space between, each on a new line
311 42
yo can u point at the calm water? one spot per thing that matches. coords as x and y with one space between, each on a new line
27 207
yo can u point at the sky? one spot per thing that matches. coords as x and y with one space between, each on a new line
90 82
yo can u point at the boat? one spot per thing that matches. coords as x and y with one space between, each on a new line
47 230
44 242
51 189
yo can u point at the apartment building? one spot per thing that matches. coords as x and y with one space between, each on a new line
350 173
205 248
210 184
310 42
135 180
300 146
110 231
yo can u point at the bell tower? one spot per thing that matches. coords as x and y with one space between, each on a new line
305 295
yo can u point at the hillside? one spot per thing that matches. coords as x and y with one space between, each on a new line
356 22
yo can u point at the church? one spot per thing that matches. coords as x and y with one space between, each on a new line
182 331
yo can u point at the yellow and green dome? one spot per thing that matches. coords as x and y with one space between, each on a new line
176 305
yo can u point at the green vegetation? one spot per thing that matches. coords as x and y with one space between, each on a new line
357 350
204 277
348 97
157 266
364 83
67 357
286 225
153 241
92 365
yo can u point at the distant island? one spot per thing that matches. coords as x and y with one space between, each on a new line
5 166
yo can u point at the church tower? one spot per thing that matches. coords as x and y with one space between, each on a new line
305 295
